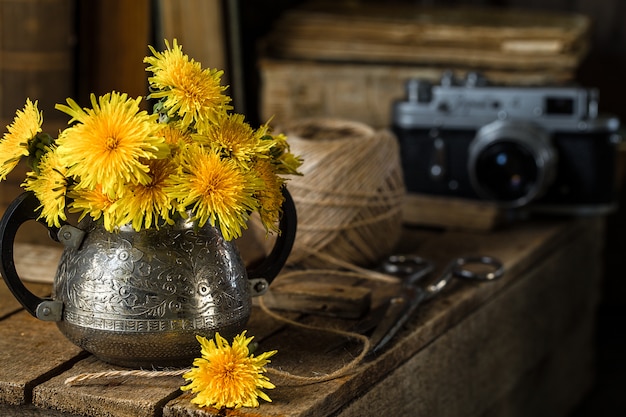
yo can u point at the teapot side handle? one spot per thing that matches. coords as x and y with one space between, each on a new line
24 208
263 274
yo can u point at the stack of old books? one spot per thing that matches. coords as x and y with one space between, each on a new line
351 59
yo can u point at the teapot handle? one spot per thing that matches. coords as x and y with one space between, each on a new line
262 275
24 208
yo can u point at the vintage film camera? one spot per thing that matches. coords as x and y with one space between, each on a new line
542 148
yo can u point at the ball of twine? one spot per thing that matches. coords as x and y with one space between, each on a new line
349 199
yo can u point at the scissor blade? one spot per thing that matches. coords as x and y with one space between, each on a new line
400 309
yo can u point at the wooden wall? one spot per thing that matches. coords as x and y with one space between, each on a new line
112 41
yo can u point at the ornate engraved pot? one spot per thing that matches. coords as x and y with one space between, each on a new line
138 299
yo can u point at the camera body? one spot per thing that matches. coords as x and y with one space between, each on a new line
544 148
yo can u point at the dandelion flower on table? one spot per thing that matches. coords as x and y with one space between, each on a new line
16 142
109 144
187 91
228 376
50 186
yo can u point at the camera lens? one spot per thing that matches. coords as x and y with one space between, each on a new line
506 170
511 163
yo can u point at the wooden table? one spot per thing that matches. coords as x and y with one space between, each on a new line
519 346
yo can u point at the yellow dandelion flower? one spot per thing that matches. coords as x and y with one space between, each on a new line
50 188
217 190
174 136
15 143
145 204
228 376
189 92
96 204
233 137
285 162
269 195
110 143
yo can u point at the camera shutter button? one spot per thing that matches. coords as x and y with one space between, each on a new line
419 91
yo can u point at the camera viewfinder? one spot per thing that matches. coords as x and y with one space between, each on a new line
559 106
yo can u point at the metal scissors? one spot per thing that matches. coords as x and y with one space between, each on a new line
413 269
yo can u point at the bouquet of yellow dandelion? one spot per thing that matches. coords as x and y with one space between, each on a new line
122 165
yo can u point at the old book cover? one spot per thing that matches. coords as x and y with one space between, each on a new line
360 31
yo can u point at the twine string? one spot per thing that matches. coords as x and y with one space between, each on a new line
349 198
113 374
347 369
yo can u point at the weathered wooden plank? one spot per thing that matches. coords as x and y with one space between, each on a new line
131 398
476 367
8 303
30 410
37 263
316 297
519 245
30 351
452 213
557 383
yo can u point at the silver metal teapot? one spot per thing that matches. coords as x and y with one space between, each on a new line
138 299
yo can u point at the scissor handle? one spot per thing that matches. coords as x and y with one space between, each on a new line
458 269
410 268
